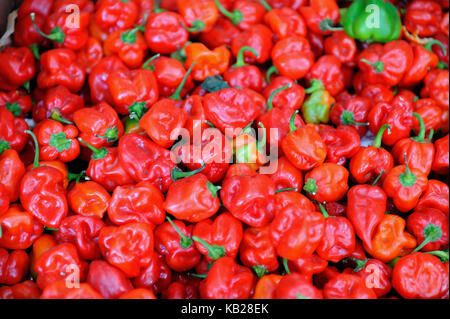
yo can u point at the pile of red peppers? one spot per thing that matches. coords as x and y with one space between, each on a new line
100 199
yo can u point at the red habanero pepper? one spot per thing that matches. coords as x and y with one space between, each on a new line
128 247
266 286
144 160
249 198
57 141
225 231
207 62
442 51
17 66
431 114
342 142
338 240
4 199
437 87
245 13
327 182
258 37
88 199
286 175
138 293
366 206
420 276
385 64
372 161
130 46
341 46
12 170
164 32
290 97
229 108
435 196
13 266
173 241
243 75
347 286
303 146
227 280
419 150
222 33
42 192
321 15
398 114
353 112
191 198
292 57
59 290
423 17
405 185
441 158
17 101
199 14
180 290
58 103
41 245
129 86
108 280
430 227
328 69
309 266
106 168
257 251
60 67
99 76
19 229
155 277
99 125
57 264
25 290
83 232
390 239
305 226
377 93
297 286
423 61
90 54
285 22
111 15
142 203
12 130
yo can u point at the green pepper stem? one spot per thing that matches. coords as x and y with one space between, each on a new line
377 66
272 70
260 271
327 25
185 241
310 186
35 49
177 94
197 26
4 145
360 263
377 141
137 110
378 177
214 251
213 189
286 267
265 5
36 148
76 177
272 96
236 16
442 65
407 179
56 116
240 56
146 63
178 173
432 42
96 153
130 35
431 233
315 85
348 118
292 126
198 275
393 262
111 134
430 135
260 144
421 136
56 34
442 254
323 211
295 189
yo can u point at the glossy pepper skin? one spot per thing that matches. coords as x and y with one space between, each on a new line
353 112
347 286
341 46
142 203
12 130
90 55
144 160
111 15
227 280
328 69
13 266
290 98
327 182
258 37
108 280
83 232
249 198
309 266
284 22
430 227
59 290
19 228
297 286
164 32
435 196
60 66
17 67
316 108
266 285
422 18
24 290
441 158
287 175
366 206
420 276
198 15
422 62
17 101
390 239
437 87
320 14
208 62
356 25
128 247
342 142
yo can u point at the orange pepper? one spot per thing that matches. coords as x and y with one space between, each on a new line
209 62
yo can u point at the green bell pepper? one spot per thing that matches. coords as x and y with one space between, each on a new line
372 21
